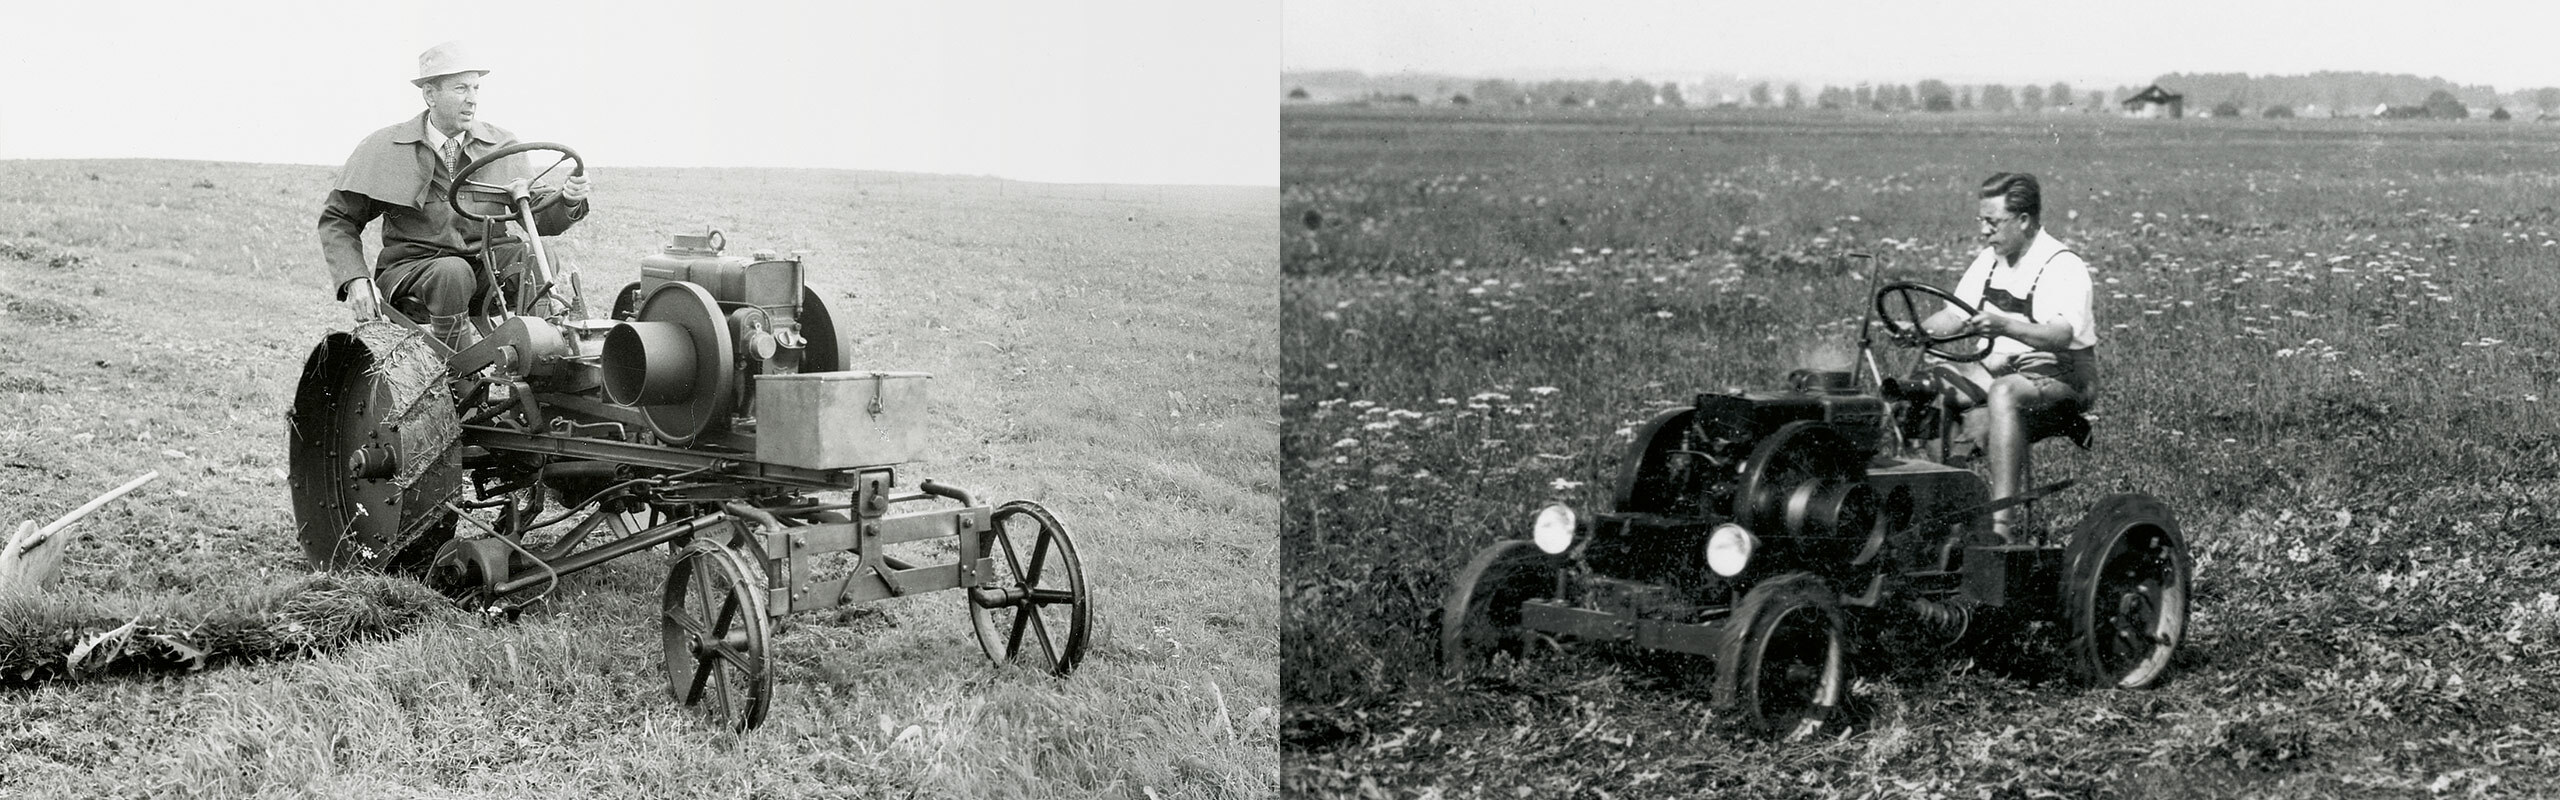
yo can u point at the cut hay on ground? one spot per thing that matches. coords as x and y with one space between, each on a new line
49 638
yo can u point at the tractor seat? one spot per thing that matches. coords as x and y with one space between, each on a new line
2064 420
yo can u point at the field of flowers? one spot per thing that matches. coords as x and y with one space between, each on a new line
2327 346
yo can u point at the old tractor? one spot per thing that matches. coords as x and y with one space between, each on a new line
719 411
1777 532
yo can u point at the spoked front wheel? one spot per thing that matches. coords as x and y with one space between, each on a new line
717 648
1035 610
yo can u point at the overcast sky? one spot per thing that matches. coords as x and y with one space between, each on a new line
1120 91
2509 45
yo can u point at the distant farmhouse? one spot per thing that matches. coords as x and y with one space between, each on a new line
2154 102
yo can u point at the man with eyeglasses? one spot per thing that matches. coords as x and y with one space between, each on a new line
2034 299
431 261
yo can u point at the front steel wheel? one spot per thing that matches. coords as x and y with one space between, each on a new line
718 652
1035 609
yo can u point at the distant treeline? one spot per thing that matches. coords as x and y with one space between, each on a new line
2358 93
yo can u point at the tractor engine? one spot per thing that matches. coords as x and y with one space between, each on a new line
1789 467
1791 463
699 327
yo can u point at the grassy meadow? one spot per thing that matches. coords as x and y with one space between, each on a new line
1107 351
2327 345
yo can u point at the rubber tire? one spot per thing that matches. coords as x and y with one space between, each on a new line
1772 608
1480 615
2152 528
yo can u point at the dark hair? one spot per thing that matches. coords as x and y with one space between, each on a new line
2020 192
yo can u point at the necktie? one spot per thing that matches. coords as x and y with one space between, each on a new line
453 155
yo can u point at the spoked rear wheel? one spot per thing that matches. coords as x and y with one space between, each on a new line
1784 666
2125 593
1036 610
717 648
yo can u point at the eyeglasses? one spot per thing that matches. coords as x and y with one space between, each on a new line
1994 222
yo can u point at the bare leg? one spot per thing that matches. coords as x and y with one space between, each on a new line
2005 444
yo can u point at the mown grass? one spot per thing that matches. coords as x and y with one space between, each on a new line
1108 351
2326 346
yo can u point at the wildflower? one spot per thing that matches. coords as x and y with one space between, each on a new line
1563 485
1346 442
1382 425
1543 391
1491 397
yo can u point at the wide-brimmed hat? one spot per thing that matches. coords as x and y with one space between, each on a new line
446 59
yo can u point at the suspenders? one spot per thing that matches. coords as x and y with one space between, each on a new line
2014 304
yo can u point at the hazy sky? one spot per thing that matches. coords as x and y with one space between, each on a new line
1123 91
2509 45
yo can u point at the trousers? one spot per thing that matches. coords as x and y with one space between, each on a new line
444 286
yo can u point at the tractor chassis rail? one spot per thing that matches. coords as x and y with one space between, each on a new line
653 456
1604 626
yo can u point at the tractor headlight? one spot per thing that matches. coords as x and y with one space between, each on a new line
1729 549
1554 530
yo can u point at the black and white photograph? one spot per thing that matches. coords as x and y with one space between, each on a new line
1930 400
660 399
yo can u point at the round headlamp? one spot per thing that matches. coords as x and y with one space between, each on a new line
1554 529
1729 549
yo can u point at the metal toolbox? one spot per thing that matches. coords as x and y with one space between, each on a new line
839 420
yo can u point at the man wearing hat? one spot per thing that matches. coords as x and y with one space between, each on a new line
430 265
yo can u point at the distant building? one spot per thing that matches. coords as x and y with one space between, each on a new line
2154 102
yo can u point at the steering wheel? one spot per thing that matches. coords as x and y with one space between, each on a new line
453 196
1906 331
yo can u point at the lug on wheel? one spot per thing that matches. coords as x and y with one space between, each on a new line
1480 616
717 649
1034 609
2125 593
1782 664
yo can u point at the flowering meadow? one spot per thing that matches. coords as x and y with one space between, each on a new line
2328 345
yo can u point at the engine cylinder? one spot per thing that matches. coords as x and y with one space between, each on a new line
648 364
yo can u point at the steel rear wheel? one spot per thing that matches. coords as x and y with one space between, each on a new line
370 448
718 651
1480 616
1035 610
2126 593
1782 664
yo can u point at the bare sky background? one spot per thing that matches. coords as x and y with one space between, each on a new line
2508 45
1117 91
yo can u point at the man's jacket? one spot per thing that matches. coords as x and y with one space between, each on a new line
396 176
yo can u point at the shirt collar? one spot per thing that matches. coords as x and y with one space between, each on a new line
435 138
2040 249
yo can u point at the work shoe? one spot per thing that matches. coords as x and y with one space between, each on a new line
454 330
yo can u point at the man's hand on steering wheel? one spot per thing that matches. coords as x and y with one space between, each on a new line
1899 311
464 181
